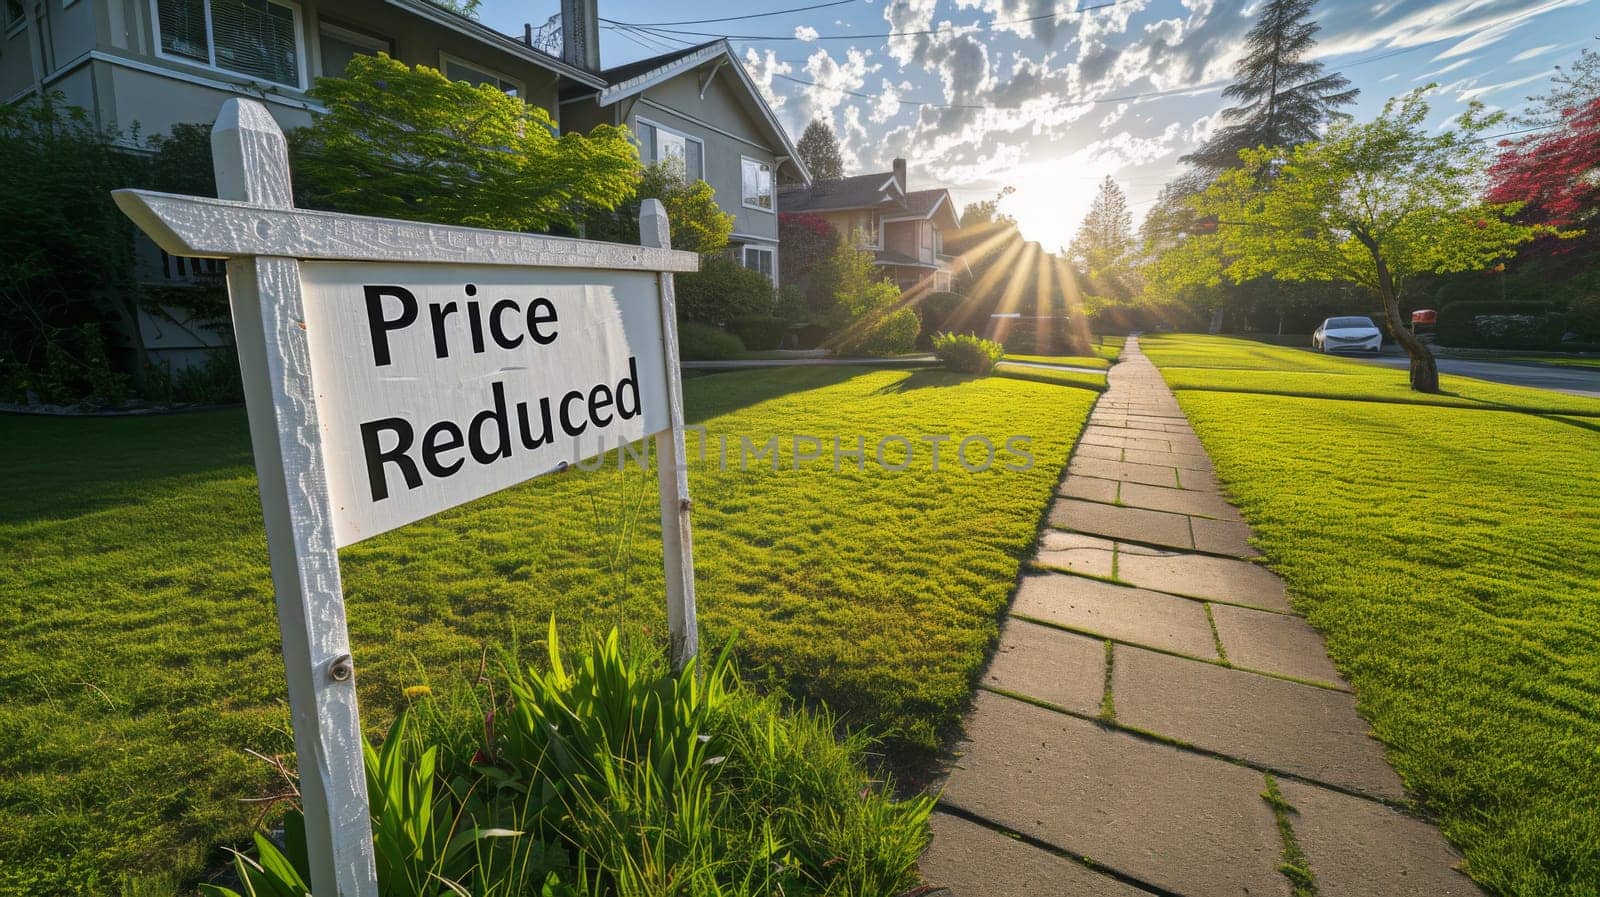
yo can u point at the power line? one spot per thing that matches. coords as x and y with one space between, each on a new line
884 34
754 15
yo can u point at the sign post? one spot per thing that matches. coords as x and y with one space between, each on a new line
393 370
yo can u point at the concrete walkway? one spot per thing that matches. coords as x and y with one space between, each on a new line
1157 720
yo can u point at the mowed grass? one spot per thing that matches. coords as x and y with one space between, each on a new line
138 642
1084 379
1451 556
1197 362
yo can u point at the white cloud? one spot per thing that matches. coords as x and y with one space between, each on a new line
763 67
1533 53
833 80
805 33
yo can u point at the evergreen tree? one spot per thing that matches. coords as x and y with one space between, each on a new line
1103 244
1107 230
1283 98
819 149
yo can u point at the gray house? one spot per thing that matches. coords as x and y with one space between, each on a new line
147 65
697 110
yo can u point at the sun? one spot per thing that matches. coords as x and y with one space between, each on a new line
1050 199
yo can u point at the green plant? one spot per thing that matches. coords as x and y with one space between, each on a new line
703 342
698 224
1501 325
723 290
216 381
759 332
1583 317
940 312
402 142
967 353
884 332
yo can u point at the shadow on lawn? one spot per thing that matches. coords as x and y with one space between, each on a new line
925 379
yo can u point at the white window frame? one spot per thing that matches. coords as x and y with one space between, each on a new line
772 188
17 27
875 217
446 58
376 43
300 42
677 132
744 258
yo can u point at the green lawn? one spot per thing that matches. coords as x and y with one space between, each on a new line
1451 555
138 655
1103 354
1084 379
1194 362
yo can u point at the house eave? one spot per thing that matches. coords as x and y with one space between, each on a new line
484 34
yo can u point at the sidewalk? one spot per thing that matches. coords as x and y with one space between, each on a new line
1152 689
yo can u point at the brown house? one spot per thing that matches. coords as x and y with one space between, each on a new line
903 229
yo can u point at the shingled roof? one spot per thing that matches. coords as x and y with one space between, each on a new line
864 192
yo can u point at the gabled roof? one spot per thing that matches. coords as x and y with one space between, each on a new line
628 80
484 34
876 192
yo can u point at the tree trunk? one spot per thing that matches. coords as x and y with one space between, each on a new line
1424 369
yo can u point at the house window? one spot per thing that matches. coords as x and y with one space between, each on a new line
256 38
472 73
757 177
758 258
15 12
865 226
339 45
925 232
683 154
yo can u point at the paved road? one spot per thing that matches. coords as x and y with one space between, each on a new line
1573 381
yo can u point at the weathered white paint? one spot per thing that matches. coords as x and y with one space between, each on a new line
297 288
606 334
214 228
677 539
252 165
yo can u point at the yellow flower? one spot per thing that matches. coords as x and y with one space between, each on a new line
417 691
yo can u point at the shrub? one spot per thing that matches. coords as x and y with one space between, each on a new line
1583 318
1501 325
967 353
723 290
881 333
759 332
702 342
608 774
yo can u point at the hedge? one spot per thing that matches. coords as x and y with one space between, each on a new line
1501 325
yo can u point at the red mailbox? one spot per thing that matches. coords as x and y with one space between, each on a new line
1424 316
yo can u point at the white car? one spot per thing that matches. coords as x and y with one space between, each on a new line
1347 334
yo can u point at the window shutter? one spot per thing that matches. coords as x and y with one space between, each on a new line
256 38
183 28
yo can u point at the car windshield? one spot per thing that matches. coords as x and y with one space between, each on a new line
1347 323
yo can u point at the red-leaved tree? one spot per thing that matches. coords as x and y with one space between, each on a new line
1556 175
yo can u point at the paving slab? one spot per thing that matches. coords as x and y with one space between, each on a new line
1049 665
1118 612
1089 488
1089 555
1202 576
972 861
1138 524
1090 450
1122 470
1223 537
1168 459
1182 822
1203 480
1360 849
1276 643
1178 501
1099 436
1301 729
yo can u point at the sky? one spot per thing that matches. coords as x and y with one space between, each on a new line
1050 96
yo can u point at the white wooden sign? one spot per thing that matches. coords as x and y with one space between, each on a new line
393 370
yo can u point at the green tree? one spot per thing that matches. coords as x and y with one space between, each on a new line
409 143
698 223
867 316
1283 99
819 149
1374 204
1102 248
987 211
